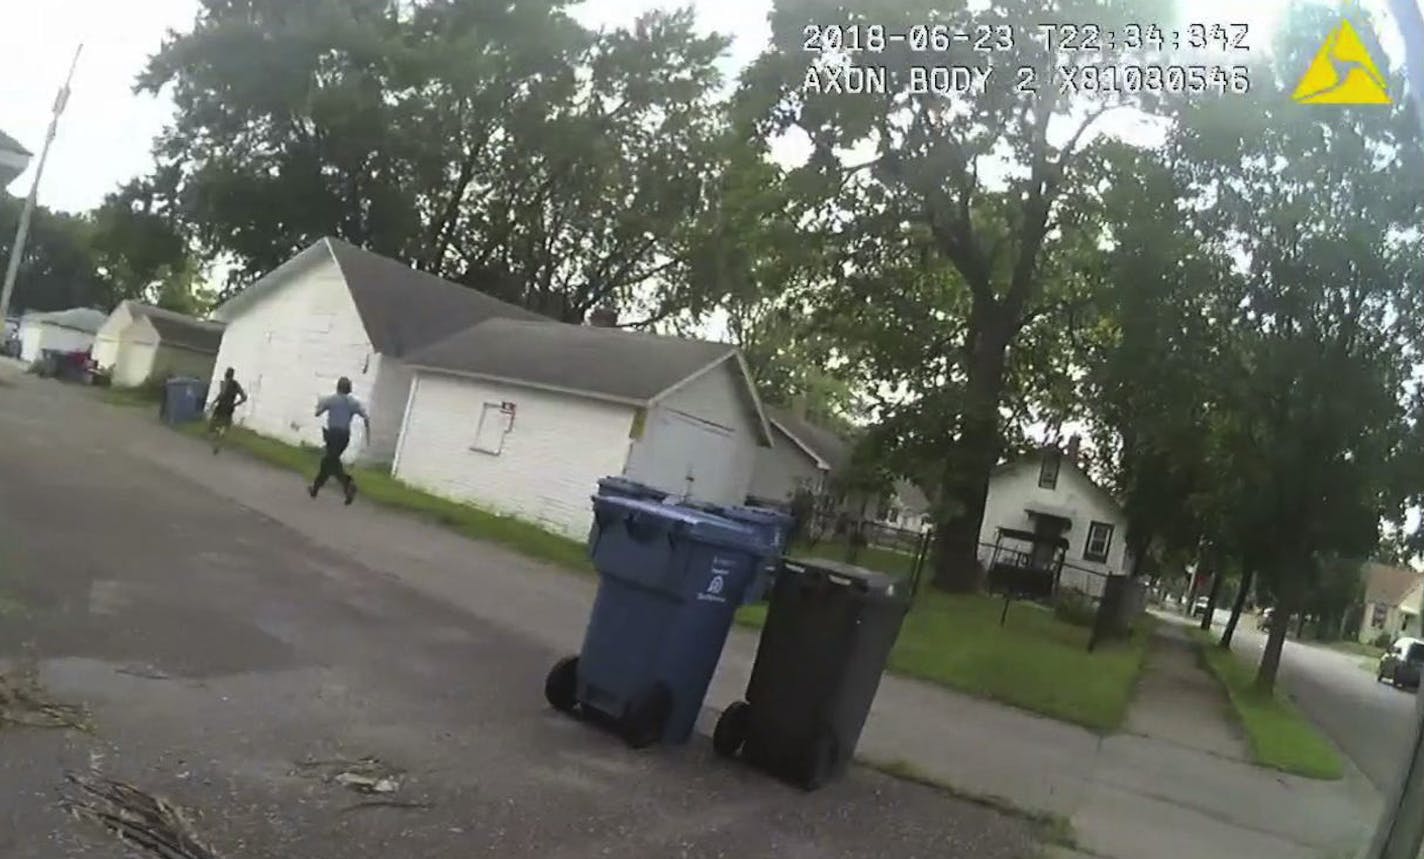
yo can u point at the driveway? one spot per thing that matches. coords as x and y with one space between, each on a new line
219 649
1368 720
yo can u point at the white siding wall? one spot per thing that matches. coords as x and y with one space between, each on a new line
107 339
718 396
387 404
290 347
1012 489
554 454
135 361
35 337
781 468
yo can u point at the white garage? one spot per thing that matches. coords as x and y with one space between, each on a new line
523 418
139 342
62 331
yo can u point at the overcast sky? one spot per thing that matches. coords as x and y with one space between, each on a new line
106 133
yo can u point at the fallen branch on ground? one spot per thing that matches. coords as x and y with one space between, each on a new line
150 822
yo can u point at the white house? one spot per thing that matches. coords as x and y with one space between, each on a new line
1392 600
139 342
524 417
907 507
62 331
335 310
1049 495
14 159
803 455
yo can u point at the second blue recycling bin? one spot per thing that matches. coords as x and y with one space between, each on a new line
774 528
670 581
183 400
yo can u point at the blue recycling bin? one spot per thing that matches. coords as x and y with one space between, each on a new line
773 526
670 581
622 487
615 486
183 400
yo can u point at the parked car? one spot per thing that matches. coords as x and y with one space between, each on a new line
1400 665
1263 621
1199 607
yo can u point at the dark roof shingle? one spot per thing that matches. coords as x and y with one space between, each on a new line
822 442
607 362
13 145
175 329
405 309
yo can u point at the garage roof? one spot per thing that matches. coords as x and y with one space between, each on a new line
175 329
403 309
824 445
10 144
606 363
1388 585
84 319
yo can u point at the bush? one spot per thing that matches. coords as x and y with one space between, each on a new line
1075 608
1382 641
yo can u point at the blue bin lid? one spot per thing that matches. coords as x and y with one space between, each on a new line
697 524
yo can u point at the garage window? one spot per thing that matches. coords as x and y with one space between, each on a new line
496 420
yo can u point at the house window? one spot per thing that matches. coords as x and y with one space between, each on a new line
1048 472
1099 540
1378 616
496 420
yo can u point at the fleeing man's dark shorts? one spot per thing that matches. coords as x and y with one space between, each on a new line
221 418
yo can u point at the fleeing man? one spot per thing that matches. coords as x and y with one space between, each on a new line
339 409
230 396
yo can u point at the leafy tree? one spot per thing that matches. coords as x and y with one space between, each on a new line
498 145
956 235
1153 352
1311 421
59 270
142 254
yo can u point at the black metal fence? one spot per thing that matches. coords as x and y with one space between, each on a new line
898 552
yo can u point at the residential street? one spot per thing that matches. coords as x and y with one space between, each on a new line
218 648
1368 720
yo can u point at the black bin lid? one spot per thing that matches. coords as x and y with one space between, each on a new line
870 582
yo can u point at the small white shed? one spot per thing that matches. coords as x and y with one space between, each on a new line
62 331
524 417
139 342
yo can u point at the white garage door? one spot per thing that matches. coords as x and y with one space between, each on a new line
682 454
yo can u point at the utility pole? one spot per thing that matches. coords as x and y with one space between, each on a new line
17 250
1401 828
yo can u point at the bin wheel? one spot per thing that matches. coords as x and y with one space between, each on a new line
561 686
643 725
823 756
731 730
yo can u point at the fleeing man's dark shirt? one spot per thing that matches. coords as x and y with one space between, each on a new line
227 396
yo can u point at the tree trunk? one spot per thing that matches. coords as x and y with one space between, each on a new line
1211 596
972 459
1300 626
1241 594
1275 641
1138 547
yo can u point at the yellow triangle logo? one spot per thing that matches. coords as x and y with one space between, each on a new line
1342 73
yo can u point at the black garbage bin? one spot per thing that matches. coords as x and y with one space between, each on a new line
828 634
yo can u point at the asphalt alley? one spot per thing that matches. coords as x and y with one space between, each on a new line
217 648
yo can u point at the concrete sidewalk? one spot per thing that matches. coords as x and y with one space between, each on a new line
1129 796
